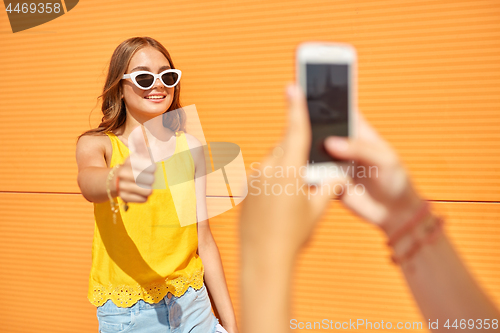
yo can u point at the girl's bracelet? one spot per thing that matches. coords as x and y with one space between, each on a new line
115 208
116 186
422 212
431 231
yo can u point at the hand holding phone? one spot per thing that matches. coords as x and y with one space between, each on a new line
326 73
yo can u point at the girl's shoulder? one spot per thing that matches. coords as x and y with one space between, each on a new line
93 138
94 146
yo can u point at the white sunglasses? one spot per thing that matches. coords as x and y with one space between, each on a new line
145 80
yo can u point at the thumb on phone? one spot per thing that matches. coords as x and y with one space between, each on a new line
297 141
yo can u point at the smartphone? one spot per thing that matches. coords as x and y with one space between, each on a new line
327 74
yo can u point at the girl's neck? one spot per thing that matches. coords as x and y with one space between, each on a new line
154 129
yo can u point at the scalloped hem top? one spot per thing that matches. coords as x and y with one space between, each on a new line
148 253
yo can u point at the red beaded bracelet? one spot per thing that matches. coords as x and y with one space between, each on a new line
410 224
430 233
429 238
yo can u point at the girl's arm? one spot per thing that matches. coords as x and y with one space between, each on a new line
214 276
92 169
443 287
440 282
208 250
93 172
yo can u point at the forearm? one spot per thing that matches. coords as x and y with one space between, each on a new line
216 282
442 285
265 286
92 183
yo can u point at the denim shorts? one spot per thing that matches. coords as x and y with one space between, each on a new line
191 312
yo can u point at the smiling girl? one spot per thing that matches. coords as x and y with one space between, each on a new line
148 271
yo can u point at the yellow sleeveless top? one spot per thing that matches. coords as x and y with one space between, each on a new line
147 253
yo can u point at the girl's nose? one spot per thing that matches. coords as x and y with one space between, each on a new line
158 83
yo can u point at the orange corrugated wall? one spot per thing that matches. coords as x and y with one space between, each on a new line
429 81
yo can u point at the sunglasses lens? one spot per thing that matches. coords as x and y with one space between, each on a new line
170 78
144 80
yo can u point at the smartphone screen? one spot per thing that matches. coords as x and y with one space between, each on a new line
328 103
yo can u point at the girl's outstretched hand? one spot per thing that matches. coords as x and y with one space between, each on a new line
137 173
132 190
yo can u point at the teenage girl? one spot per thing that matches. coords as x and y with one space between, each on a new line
148 271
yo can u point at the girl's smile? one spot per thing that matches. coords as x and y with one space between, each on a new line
155 97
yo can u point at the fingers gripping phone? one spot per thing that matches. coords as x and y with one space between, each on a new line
326 73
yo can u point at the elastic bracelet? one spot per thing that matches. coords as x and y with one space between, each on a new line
125 205
410 224
431 234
